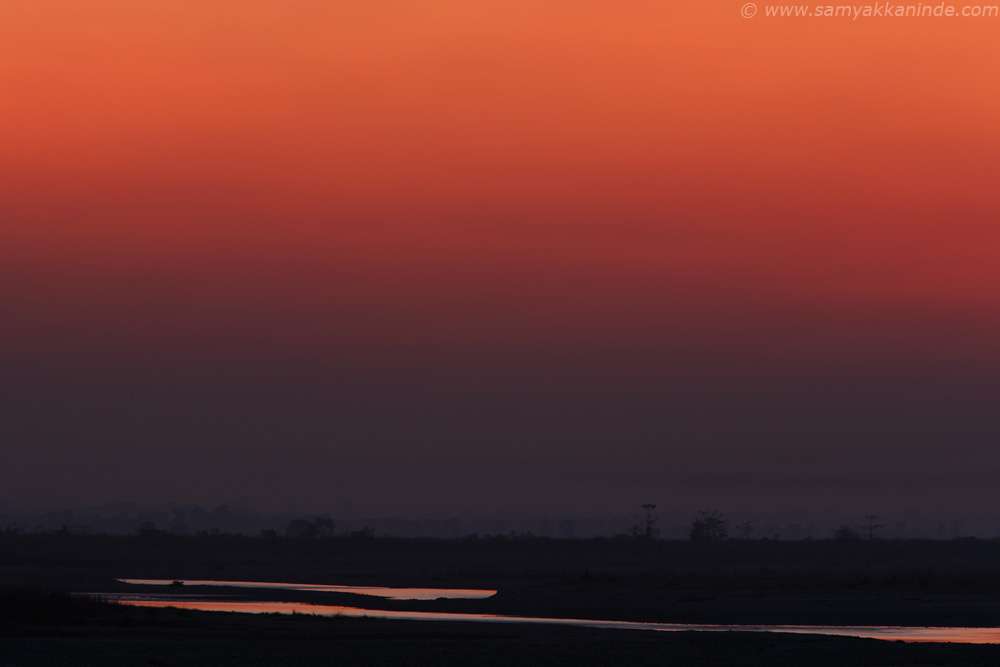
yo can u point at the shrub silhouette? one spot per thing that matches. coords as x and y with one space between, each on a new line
709 526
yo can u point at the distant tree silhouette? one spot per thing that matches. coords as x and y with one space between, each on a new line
871 526
300 529
646 527
367 533
324 527
745 529
709 526
845 534
304 529
148 528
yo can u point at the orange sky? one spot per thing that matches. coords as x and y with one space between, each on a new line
641 139
543 173
312 178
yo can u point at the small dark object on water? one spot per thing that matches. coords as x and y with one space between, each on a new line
177 582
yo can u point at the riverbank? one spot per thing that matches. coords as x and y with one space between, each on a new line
825 584
844 598
168 638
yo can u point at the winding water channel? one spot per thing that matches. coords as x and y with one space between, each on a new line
376 591
204 603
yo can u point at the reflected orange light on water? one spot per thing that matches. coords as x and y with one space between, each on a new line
891 633
247 607
387 592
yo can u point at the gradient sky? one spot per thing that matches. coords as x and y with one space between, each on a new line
452 256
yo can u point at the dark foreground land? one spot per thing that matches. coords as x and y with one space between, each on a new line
829 583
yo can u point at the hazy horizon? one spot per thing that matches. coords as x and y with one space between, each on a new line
672 523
